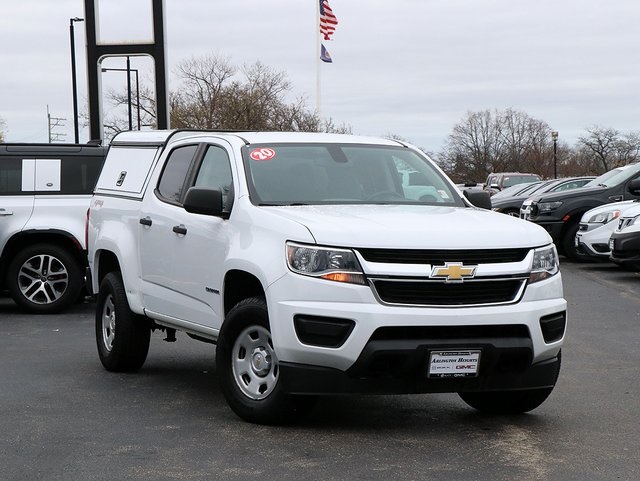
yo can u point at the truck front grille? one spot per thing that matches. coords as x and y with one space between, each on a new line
440 256
438 293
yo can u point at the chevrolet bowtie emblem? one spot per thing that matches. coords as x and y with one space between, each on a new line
453 272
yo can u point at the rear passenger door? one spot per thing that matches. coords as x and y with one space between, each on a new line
17 187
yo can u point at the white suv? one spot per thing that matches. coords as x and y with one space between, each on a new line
320 264
44 196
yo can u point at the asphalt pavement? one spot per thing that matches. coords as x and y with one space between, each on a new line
63 417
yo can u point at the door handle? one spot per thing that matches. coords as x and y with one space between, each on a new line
180 229
146 221
4 212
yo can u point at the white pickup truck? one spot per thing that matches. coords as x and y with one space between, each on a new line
320 264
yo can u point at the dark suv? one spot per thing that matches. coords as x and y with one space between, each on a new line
559 213
45 191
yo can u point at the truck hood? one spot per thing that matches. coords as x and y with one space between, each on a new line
413 227
633 210
570 194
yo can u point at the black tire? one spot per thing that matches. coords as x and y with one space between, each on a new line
506 402
568 245
509 402
248 370
44 278
122 337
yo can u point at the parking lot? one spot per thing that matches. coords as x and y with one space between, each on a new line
63 417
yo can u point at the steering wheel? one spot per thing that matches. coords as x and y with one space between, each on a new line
385 195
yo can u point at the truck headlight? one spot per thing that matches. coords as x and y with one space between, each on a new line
604 217
544 207
340 265
545 263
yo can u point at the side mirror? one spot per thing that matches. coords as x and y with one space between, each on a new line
634 187
205 201
479 198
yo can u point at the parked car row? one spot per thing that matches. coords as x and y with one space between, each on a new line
588 218
614 233
512 204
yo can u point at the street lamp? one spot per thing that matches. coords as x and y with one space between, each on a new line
554 137
129 70
74 84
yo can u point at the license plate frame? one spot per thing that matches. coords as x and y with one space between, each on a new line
453 363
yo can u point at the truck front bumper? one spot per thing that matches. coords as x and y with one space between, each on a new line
324 324
404 371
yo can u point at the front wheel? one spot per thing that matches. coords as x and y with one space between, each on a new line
122 336
569 247
248 367
506 402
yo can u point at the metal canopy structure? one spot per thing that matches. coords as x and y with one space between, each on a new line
98 51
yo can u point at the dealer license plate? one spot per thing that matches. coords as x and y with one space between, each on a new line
453 363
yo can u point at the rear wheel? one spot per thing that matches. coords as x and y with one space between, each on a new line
248 367
44 278
122 337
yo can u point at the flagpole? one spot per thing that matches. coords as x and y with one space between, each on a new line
318 62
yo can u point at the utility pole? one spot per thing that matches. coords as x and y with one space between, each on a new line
53 123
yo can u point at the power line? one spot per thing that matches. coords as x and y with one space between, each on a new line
54 123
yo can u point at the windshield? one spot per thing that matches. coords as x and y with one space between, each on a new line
286 174
615 176
518 179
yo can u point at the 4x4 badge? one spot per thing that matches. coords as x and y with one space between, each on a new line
453 272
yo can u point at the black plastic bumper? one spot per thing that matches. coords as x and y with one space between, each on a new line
399 366
626 248
554 228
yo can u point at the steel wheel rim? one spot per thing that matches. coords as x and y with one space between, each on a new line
108 323
43 279
254 363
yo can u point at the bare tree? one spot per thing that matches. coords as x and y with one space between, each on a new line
599 144
606 148
3 126
143 104
216 95
494 141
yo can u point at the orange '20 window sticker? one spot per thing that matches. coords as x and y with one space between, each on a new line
262 154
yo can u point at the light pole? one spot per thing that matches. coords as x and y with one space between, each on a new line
129 70
554 137
74 84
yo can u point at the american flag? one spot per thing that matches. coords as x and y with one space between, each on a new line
328 20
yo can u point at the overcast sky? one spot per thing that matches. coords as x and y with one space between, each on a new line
412 68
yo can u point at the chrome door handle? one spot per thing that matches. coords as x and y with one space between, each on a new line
4 212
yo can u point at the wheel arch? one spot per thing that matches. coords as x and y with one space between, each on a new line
106 261
239 285
28 238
